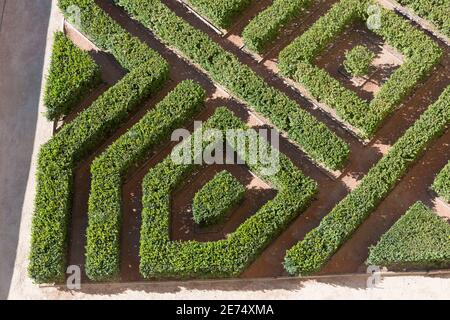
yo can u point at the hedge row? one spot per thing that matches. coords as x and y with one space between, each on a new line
216 198
107 35
437 11
309 255
442 183
312 136
161 257
58 157
103 232
419 239
220 12
72 74
265 26
421 55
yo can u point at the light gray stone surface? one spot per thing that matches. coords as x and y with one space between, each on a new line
23 34
25 47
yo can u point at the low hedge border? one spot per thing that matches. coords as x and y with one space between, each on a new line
310 254
220 12
161 257
216 198
73 73
297 62
265 26
436 11
104 216
313 137
419 239
442 183
58 157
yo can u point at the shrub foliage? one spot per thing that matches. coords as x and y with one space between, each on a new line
357 61
220 12
103 232
266 25
421 55
310 254
442 183
437 11
216 198
72 74
58 157
419 239
322 145
161 257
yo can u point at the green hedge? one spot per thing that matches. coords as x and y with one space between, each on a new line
265 26
442 183
216 198
103 232
161 257
72 74
108 35
322 145
220 12
437 11
421 55
357 60
59 156
310 254
419 239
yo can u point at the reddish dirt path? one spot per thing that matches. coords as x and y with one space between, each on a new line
331 190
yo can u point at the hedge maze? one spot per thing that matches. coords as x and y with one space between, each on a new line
442 183
433 10
124 139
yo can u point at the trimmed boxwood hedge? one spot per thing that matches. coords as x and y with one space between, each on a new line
103 232
322 145
437 11
442 183
72 74
310 254
265 26
58 157
161 257
357 60
220 12
419 239
297 62
108 35
216 198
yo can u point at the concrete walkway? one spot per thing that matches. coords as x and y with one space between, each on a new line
23 35
25 46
